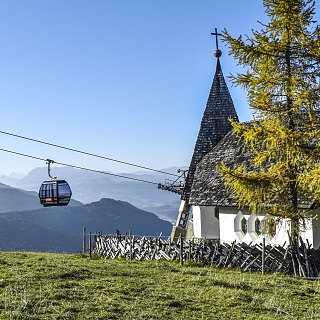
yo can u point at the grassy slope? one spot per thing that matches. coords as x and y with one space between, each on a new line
56 286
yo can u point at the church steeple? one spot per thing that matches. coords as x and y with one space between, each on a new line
214 126
215 122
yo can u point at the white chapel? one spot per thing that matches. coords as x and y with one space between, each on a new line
207 210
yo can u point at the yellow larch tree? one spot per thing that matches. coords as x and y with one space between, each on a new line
281 79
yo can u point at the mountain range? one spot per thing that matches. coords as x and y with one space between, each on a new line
59 229
26 225
89 186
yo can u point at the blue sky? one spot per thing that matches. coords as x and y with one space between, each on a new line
124 79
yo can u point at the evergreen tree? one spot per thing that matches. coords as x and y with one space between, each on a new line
281 78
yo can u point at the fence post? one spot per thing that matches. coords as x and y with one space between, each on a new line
202 249
192 248
181 249
90 252
130 241
159 241
84 241
263 255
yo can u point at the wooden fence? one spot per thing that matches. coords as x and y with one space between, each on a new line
296 258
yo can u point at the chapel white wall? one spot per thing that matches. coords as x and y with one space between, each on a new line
227 228
205 223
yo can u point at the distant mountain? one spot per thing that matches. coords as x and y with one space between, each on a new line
90 186
60 229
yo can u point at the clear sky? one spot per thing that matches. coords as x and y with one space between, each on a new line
124 79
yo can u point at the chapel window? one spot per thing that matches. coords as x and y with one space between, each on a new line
258 227
244 225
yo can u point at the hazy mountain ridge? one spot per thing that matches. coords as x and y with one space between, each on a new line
26 225
88 187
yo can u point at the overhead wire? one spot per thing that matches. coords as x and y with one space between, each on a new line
87 153
78 167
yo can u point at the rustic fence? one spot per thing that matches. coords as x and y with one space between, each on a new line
296 258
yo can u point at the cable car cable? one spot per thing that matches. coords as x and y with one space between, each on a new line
78 167
87 153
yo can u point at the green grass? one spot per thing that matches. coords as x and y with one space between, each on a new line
57 286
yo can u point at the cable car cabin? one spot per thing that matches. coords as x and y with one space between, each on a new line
55 193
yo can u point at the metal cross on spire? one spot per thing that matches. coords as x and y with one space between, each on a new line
216 34
218 52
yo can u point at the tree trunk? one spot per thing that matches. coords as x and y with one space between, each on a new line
295 230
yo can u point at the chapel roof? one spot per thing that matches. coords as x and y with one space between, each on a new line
208 189
215 123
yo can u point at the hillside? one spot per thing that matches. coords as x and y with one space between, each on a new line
21 235
60 229
52 286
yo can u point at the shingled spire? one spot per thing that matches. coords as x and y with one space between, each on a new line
214 126
215 122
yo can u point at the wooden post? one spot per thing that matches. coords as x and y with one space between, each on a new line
229 253
169 247
130 242
90 244
84 241
192 248
202 249
263 258
181 249
159 241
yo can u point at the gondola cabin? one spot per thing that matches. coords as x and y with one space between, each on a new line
55 193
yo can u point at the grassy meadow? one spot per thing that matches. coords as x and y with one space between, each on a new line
62 286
